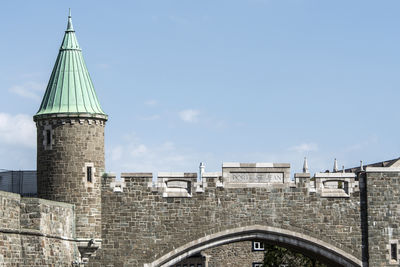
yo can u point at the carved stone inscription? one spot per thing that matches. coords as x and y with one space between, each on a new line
264 177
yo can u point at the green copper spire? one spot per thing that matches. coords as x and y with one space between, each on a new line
70 91
70 28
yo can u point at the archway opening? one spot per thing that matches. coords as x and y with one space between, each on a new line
306 245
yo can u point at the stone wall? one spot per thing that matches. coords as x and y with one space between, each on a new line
10 240
62 164
140 225
36 232
383 191
239 254
143 224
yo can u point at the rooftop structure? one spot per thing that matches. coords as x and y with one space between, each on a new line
70 90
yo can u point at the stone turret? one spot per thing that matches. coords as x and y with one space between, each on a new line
70 140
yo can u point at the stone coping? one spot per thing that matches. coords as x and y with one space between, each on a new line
46 202
69 115
10 195
255 165
177 175
165 175
335 175
36 200
212 174
137 174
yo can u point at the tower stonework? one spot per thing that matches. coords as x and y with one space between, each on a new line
70 142
78 143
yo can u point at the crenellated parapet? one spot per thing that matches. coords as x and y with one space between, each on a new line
240 175
159 217
176 184
339 184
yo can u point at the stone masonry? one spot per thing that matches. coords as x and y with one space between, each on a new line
75 143
237 254
140 226
36 232
383 215
342 219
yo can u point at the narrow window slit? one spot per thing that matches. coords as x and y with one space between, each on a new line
89 174
393 251
48 137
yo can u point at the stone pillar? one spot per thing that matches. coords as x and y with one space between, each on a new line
302 179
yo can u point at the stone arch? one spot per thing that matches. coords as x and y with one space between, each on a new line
300 242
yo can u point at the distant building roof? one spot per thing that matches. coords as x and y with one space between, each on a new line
386 163
70 90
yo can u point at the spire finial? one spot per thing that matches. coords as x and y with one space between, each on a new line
201 168
305 166
335 166
70 28
361 166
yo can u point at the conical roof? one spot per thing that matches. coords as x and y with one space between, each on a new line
70 90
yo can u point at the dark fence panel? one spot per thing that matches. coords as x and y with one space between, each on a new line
20 182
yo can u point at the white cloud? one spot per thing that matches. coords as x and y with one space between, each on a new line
305 147
189 115
30 90
134 155
17 130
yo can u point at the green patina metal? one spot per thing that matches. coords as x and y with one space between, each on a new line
70 90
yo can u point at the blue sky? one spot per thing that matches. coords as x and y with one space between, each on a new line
214 81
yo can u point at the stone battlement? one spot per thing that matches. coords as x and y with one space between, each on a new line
174 214
240 175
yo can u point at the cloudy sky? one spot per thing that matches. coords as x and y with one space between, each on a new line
214 81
